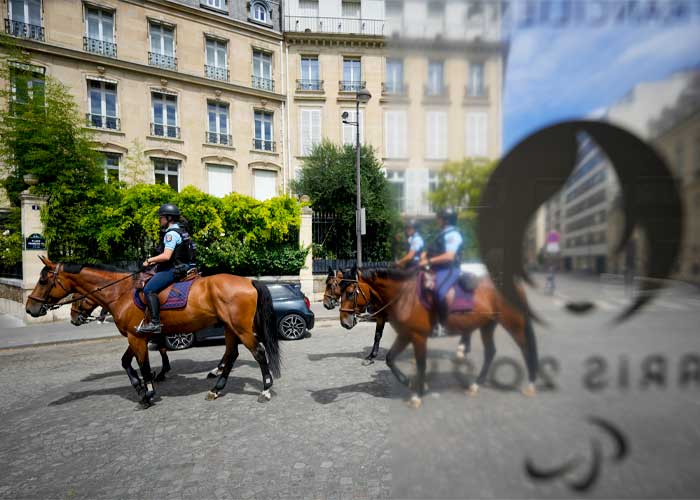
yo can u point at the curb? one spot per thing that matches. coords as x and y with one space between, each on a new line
59 342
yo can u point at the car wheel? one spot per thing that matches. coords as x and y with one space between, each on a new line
179 341
292 327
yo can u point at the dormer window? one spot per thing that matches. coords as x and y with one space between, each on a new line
260 11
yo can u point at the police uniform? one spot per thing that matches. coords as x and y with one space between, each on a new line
446 274
168 272
415 243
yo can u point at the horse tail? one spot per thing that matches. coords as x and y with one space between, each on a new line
266 327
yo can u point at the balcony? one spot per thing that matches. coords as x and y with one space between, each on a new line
217 138
476 93
263 83
216 73
306 85
339 25
102 121
24 30
436 92
162 61
162 130
101 47
351 85
394 89
264 145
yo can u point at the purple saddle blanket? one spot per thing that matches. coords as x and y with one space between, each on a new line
463 300
177 297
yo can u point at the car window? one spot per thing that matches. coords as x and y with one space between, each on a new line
280 292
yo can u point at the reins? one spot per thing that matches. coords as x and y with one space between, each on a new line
354 296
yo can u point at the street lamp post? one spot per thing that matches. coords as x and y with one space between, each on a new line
363 96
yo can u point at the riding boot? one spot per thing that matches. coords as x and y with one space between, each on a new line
153 326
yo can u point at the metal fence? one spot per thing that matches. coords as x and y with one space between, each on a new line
14 272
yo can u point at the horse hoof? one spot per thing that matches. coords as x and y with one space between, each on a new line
473 390
415 402
529 390
265 396
211 395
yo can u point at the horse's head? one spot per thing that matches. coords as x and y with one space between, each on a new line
354 298
81 310
331 294
53 285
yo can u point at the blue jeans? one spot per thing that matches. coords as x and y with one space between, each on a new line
159 282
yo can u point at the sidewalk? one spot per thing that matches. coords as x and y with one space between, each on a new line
14 334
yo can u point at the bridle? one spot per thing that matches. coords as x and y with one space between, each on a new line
53 277
355 310
330 296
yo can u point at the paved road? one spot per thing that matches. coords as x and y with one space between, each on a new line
338 429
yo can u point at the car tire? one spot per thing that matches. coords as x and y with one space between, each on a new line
179 341
292 327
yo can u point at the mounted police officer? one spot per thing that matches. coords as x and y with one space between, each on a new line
444 257
175 257
415 246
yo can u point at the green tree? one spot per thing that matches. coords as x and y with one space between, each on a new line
460 184
328 178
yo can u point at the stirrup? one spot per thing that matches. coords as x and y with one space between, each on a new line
149 328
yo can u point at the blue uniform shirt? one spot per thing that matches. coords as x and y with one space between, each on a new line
172 238
453 239
416 242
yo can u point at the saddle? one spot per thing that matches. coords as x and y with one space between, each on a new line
173 297
459 298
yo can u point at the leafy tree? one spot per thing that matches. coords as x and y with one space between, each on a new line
460 184
328 178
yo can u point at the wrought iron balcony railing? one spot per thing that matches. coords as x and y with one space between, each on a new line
309 85
264 145
394 88
351 85
162 130
263 83
345 25
476 92
24 30
102 121
217 138
101 47
216 72
436 90
162 60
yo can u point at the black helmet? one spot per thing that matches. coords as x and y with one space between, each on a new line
449 215
169 209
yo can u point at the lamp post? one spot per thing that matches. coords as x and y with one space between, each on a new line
362 96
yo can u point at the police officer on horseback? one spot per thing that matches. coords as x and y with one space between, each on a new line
415 246
175 256
444 257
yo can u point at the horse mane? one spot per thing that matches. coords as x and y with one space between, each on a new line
75 268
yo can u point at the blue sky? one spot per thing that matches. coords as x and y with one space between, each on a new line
555 74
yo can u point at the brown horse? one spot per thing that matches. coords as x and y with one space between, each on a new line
244 306
396 292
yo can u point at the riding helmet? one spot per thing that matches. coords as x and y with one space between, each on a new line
169 209
449 215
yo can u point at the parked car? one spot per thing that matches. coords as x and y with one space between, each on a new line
292 312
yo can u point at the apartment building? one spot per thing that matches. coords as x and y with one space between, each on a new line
198 83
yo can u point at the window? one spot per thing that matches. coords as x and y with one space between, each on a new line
436 135
435 78
394 76
397 183
310 73
27 84
264 184
308 8
349 130
216 67
164 115
259 12
477 134
103 105
162 52
25 19
166 172
99 32
217 128
310 128
351 9
263 131
476 86
352 75
214 4
262 70
111 167
220 180
395 134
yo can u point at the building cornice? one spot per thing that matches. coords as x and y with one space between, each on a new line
335 40
146 70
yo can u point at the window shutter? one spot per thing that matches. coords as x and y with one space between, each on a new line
315 127
304 131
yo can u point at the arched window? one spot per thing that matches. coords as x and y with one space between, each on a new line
260 11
